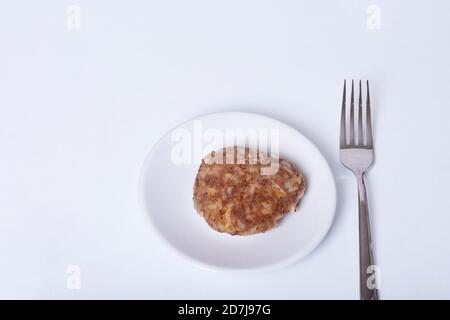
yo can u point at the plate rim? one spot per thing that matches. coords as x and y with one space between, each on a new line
290 260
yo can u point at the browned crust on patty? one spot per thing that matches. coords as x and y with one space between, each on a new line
239 200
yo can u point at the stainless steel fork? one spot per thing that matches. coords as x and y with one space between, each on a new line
357 155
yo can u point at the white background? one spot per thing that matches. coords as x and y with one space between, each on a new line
80 109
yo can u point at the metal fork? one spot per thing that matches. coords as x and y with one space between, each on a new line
357 155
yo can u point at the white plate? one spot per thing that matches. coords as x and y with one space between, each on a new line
166 195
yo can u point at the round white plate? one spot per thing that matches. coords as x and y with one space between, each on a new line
166 189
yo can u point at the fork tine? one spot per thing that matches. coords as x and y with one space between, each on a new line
369 141
343 129
360 128
352 117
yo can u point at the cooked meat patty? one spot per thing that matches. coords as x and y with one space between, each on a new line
238 198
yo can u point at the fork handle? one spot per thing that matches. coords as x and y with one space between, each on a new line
367 268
